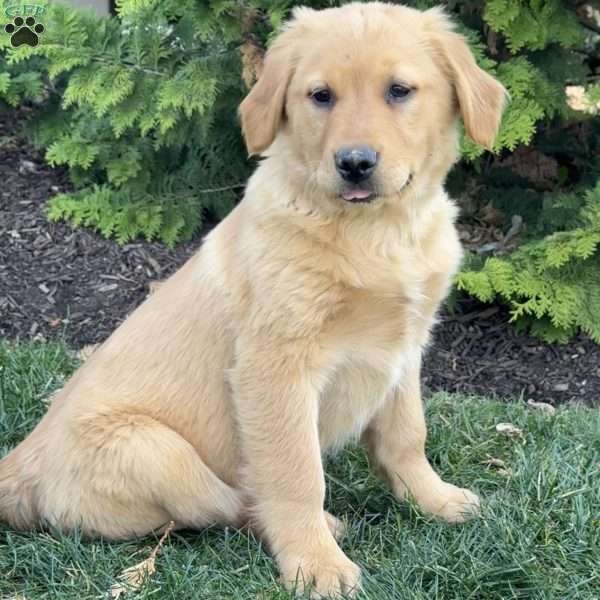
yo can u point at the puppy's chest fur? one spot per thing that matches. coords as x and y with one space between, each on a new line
386 308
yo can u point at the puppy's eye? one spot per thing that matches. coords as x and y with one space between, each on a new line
398 92
322 97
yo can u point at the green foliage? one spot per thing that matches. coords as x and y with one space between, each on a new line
550 282
535 81
132 101
16 83
533 24
593 94
141 108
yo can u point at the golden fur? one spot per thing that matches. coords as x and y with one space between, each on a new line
298 325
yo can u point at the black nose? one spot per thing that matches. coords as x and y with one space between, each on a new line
356 163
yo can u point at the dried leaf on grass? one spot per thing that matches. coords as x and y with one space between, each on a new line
543 407
509 430
133 578
495 462
499 465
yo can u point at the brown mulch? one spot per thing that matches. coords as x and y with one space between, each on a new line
56 282
478 351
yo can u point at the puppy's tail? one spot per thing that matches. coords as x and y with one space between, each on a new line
18 506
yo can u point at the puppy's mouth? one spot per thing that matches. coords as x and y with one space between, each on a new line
358 195
364 195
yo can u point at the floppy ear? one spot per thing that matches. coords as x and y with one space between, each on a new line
481 98
263 108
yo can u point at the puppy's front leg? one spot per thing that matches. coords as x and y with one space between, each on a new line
276 401
396 442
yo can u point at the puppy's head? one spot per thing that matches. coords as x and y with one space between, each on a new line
365 99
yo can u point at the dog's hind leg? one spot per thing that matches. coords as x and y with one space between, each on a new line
128 475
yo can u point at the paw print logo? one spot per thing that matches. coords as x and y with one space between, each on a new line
24 31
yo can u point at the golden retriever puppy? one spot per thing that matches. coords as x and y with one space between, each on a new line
298 325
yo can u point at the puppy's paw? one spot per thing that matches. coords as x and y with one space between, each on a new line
337 528
451 503
327 574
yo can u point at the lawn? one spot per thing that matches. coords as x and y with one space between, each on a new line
538 537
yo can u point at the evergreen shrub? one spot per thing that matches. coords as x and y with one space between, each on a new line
141 108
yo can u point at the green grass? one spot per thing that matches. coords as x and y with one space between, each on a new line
538 538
